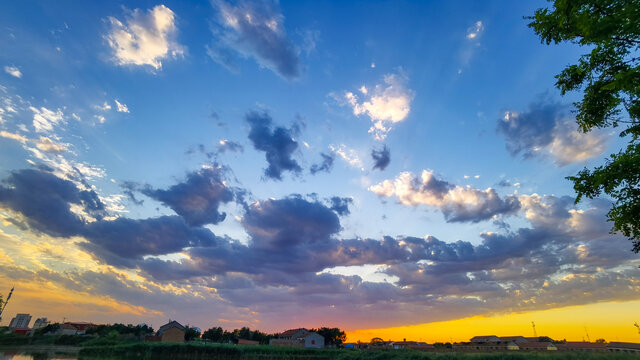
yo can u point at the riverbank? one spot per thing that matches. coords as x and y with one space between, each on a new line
161 351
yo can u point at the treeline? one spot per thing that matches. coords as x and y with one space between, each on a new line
333 337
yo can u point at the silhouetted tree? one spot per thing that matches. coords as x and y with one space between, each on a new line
609 77
332 336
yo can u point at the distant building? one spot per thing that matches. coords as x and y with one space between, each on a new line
582 346
40 323
75 328
537 346
415 345
299 338
484 339
21 321
624 347
172 331
246 342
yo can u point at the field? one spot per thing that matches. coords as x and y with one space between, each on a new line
224 352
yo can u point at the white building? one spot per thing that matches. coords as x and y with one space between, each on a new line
21 321
40 323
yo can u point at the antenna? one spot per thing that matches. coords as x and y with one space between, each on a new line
535 334
586 332
5 303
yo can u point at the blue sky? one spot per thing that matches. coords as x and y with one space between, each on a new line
149 127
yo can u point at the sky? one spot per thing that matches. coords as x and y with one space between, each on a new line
393 169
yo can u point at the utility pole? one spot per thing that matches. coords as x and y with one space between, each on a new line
534 329
5 303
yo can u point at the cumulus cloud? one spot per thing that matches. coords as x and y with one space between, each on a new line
278 144
457 203
546 129
144 38
326 165
381 158
48 203
13 71
198 198
253 29
565 257
44 119
385 105
121 107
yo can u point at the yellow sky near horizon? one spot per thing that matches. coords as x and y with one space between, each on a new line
613 321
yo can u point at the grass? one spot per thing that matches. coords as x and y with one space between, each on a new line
174 351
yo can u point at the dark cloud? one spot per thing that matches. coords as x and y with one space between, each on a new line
340 205
326 164
278 144
45 202
198 198
132 239
525 132
253 29
381 158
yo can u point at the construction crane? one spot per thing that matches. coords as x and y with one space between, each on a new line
587 332
637 326
5 303
534 329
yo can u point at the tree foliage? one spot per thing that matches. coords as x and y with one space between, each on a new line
217 334
191 333
333 337
609 78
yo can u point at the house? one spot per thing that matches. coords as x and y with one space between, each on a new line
487 346
537 346
484 339
415 345
299 338
75 328
624 347
582 346
21 321
172 331
515 339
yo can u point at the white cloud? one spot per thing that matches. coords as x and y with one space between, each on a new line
13 71
122 107
570 145
348 155
103 107
44 119
475 31
456 202
49 146
100 118
145 39
16 137
386 104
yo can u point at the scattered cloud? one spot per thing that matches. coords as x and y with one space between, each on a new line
326 165
350 156
340 205
228 145
121 107
278 144
546 129
198 198
381 158
13 71
13 136
144 38
457 203
475 31
44 119
254 29
386 104
47 145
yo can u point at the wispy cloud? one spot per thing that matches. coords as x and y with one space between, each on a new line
13 71
253 29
